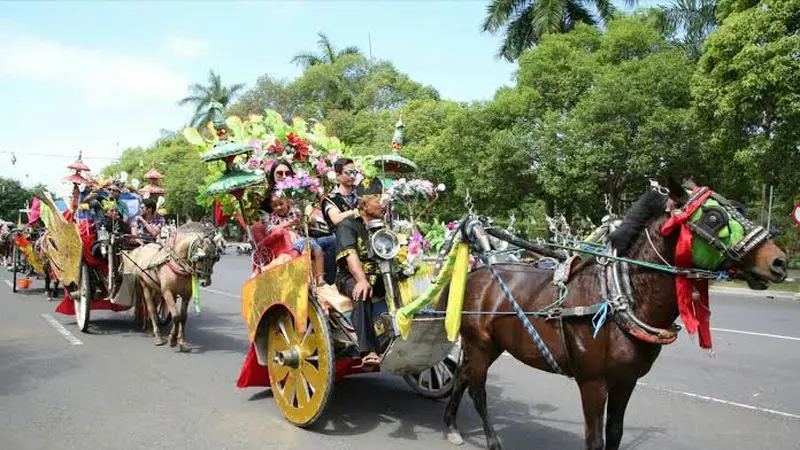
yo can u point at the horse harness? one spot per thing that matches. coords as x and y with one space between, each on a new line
613 272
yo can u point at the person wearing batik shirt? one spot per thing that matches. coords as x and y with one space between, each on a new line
357 275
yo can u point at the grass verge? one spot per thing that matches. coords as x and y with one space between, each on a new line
788 286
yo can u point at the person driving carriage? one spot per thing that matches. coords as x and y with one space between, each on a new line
148 224
357 273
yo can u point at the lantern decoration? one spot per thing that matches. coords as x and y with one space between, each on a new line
153 189
77 178
397 139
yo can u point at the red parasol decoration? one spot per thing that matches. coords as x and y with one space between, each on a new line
77 178
152 190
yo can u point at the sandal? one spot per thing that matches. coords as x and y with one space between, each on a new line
369 361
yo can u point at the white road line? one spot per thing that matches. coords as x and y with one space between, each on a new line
60 328
724 402
751 333
227 294
9 283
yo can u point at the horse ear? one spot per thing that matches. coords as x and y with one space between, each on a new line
676 192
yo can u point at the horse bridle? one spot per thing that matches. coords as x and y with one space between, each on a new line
191 265
715 218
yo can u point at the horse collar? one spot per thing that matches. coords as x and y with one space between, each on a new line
615 286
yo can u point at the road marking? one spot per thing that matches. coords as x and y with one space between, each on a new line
60 328
227 294
719 400
751 333
9 283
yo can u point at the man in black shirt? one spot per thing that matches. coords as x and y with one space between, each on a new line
357 271
342 202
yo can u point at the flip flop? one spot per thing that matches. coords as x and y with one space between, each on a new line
371 361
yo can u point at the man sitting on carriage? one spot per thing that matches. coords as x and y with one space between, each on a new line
357 272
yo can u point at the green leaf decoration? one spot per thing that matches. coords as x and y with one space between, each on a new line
193 137
236 127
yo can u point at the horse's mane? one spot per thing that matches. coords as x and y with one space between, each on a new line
648 207
193 227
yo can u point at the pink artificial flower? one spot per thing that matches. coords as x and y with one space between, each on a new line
268 164
322 168
257 145
452 225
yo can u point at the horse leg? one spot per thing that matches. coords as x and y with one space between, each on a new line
593 396
182 331
451 410
169 299
618 396
480 358
151 312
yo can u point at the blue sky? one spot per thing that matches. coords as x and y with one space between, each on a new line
86 75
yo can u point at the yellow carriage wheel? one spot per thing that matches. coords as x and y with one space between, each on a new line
301 365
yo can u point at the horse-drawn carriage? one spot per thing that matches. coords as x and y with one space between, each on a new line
597 311
105 266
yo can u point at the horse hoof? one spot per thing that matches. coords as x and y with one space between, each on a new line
159 341
173 342
184 348
455 438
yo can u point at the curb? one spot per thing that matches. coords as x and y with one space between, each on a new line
769 295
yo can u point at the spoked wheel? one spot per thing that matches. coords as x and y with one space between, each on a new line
438 381
301 366
83 302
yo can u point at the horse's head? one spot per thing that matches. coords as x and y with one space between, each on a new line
196 248
723 238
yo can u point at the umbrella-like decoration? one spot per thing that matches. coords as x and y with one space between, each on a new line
153 189
77 178
234 180
397 138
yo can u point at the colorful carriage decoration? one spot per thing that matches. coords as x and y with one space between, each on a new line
301 338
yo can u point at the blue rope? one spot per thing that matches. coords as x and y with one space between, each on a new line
599 318
524 319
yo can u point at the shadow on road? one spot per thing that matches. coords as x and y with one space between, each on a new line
210 332
362 404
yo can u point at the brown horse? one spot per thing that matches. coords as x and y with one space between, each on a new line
606 366
167 271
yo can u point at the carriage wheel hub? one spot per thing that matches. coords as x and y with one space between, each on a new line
290 358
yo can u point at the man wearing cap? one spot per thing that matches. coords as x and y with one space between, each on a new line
357 273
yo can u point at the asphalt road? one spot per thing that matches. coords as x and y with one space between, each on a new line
116 391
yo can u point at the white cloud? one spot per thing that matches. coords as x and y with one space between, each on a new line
184 47
104 76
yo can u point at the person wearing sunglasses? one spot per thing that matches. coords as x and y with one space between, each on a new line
342 202
279 172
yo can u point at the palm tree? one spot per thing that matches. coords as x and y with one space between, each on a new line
691 21
203 96
526 21
327 55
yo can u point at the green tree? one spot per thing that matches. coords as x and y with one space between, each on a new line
327 55
202 96
525 22
629 118
13 197
180 165
747 93
690 22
